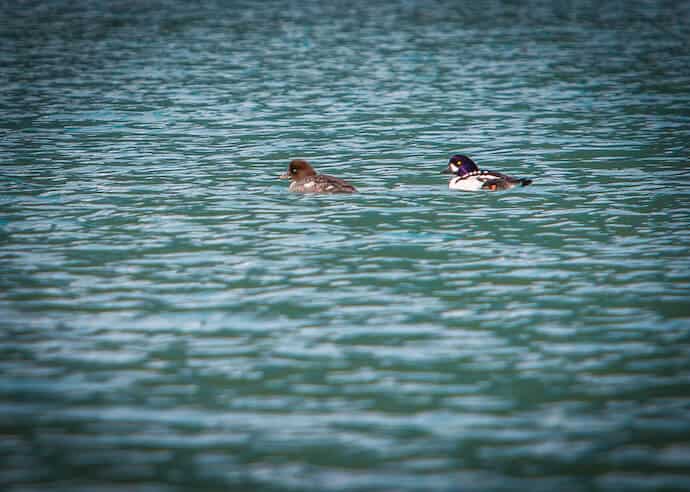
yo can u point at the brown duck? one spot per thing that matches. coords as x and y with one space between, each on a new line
305 180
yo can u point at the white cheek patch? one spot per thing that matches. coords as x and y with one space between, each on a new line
453 168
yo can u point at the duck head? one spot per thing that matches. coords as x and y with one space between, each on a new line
298 170
460 164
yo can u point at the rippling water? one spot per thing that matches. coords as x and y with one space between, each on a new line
171 318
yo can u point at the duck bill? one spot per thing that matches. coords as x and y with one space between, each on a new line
447 171
285 175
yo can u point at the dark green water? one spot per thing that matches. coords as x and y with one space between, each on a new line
172 319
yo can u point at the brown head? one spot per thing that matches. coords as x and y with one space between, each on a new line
298 170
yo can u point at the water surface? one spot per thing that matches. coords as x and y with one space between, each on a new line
171 318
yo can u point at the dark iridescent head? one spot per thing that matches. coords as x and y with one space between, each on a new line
460 164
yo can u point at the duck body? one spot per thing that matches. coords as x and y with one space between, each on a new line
321 183
485 180
304 179
470 178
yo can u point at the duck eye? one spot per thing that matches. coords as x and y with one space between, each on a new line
293 170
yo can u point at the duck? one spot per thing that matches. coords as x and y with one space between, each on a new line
471 178
304 179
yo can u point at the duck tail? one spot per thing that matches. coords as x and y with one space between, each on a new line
525 182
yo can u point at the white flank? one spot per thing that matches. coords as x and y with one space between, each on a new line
470 183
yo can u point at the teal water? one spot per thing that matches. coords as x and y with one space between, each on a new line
171 318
